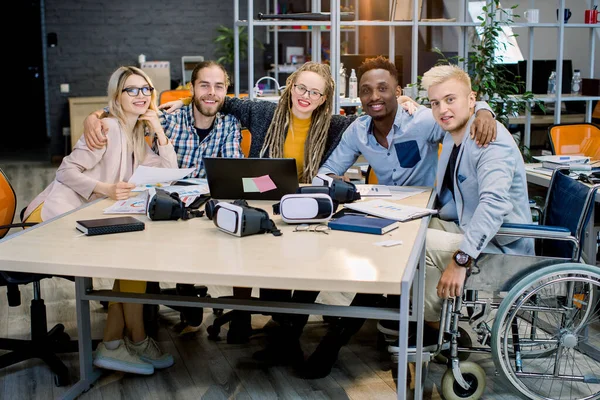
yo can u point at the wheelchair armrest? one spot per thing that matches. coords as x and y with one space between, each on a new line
537 232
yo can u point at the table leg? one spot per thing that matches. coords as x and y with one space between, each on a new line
418 310
403 342
87 374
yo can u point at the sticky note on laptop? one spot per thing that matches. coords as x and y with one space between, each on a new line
249 185
264 183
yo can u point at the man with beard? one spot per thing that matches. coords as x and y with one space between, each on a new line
198 130
478 190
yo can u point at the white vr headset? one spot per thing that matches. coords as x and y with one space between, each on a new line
240 219
301 208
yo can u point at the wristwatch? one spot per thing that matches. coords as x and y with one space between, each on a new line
462 259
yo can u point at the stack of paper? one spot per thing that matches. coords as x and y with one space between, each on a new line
387 209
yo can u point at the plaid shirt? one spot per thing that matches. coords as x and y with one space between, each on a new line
223 141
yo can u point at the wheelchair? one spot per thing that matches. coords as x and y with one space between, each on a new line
538 316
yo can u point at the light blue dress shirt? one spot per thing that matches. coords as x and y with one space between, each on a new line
411 157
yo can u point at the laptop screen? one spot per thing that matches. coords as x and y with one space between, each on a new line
250 178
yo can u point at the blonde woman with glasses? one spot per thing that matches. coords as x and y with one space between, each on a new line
86 175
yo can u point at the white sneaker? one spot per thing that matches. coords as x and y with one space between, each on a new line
149 352
121 359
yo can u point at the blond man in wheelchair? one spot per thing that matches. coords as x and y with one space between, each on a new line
478 189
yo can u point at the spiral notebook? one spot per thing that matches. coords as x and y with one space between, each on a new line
387 209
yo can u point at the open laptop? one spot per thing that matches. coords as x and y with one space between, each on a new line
251 178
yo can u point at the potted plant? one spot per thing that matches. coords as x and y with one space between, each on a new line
225 46
493 84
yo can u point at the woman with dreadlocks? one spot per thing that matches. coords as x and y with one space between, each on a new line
300 126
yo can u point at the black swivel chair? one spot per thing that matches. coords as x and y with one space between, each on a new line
43 344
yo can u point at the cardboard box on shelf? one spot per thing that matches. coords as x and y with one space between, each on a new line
402 10
160 74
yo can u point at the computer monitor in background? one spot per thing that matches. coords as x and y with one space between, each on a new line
353 61
541 72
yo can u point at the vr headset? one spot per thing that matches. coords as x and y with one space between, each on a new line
340 191
240 219
301 208
163 206
317 203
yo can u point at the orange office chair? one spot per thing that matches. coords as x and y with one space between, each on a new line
246 142
43 344
575 139
175 94
371 178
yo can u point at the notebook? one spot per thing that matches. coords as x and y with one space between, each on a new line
105 226
387 209
251 178
363 224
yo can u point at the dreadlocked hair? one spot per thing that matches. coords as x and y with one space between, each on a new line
314 147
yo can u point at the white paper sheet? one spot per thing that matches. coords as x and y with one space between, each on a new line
564 159
191 190
386 209
387 192
133 205
152 175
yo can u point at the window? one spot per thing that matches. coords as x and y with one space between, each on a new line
512 53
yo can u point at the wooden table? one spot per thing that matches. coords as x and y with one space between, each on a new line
195 251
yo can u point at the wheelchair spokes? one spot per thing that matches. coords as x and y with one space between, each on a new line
548 337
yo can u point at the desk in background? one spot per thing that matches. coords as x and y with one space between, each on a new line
196 252
79 109
590 241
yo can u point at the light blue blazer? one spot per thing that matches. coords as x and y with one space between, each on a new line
490 188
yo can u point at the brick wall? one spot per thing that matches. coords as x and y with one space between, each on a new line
97 36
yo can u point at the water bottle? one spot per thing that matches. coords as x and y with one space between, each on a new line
552 83
576 82
353 86
342 81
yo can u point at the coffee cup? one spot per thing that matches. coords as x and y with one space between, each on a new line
591 16
532 15
567 14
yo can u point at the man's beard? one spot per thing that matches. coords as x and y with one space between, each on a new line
460 126
205 110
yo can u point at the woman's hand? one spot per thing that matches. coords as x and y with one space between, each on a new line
116 191
151 116
171 106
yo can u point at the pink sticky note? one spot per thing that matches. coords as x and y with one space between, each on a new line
264 183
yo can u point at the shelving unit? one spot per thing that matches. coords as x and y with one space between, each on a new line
462 23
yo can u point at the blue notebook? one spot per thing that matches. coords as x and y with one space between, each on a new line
363 224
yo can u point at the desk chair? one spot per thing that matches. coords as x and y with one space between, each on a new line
43 344
575 139
175 94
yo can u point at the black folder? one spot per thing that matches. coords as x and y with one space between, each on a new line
105 226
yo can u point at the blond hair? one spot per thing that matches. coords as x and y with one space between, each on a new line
314 147
135 136
442 73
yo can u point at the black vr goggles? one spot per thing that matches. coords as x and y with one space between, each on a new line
340 191
240 219
163 206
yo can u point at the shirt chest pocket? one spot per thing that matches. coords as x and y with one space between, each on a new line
408 153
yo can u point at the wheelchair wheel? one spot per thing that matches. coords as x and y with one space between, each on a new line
473 374
545 334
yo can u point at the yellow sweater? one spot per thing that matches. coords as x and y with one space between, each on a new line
293 147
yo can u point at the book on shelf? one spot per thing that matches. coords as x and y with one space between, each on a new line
363 224
387 209
104 226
